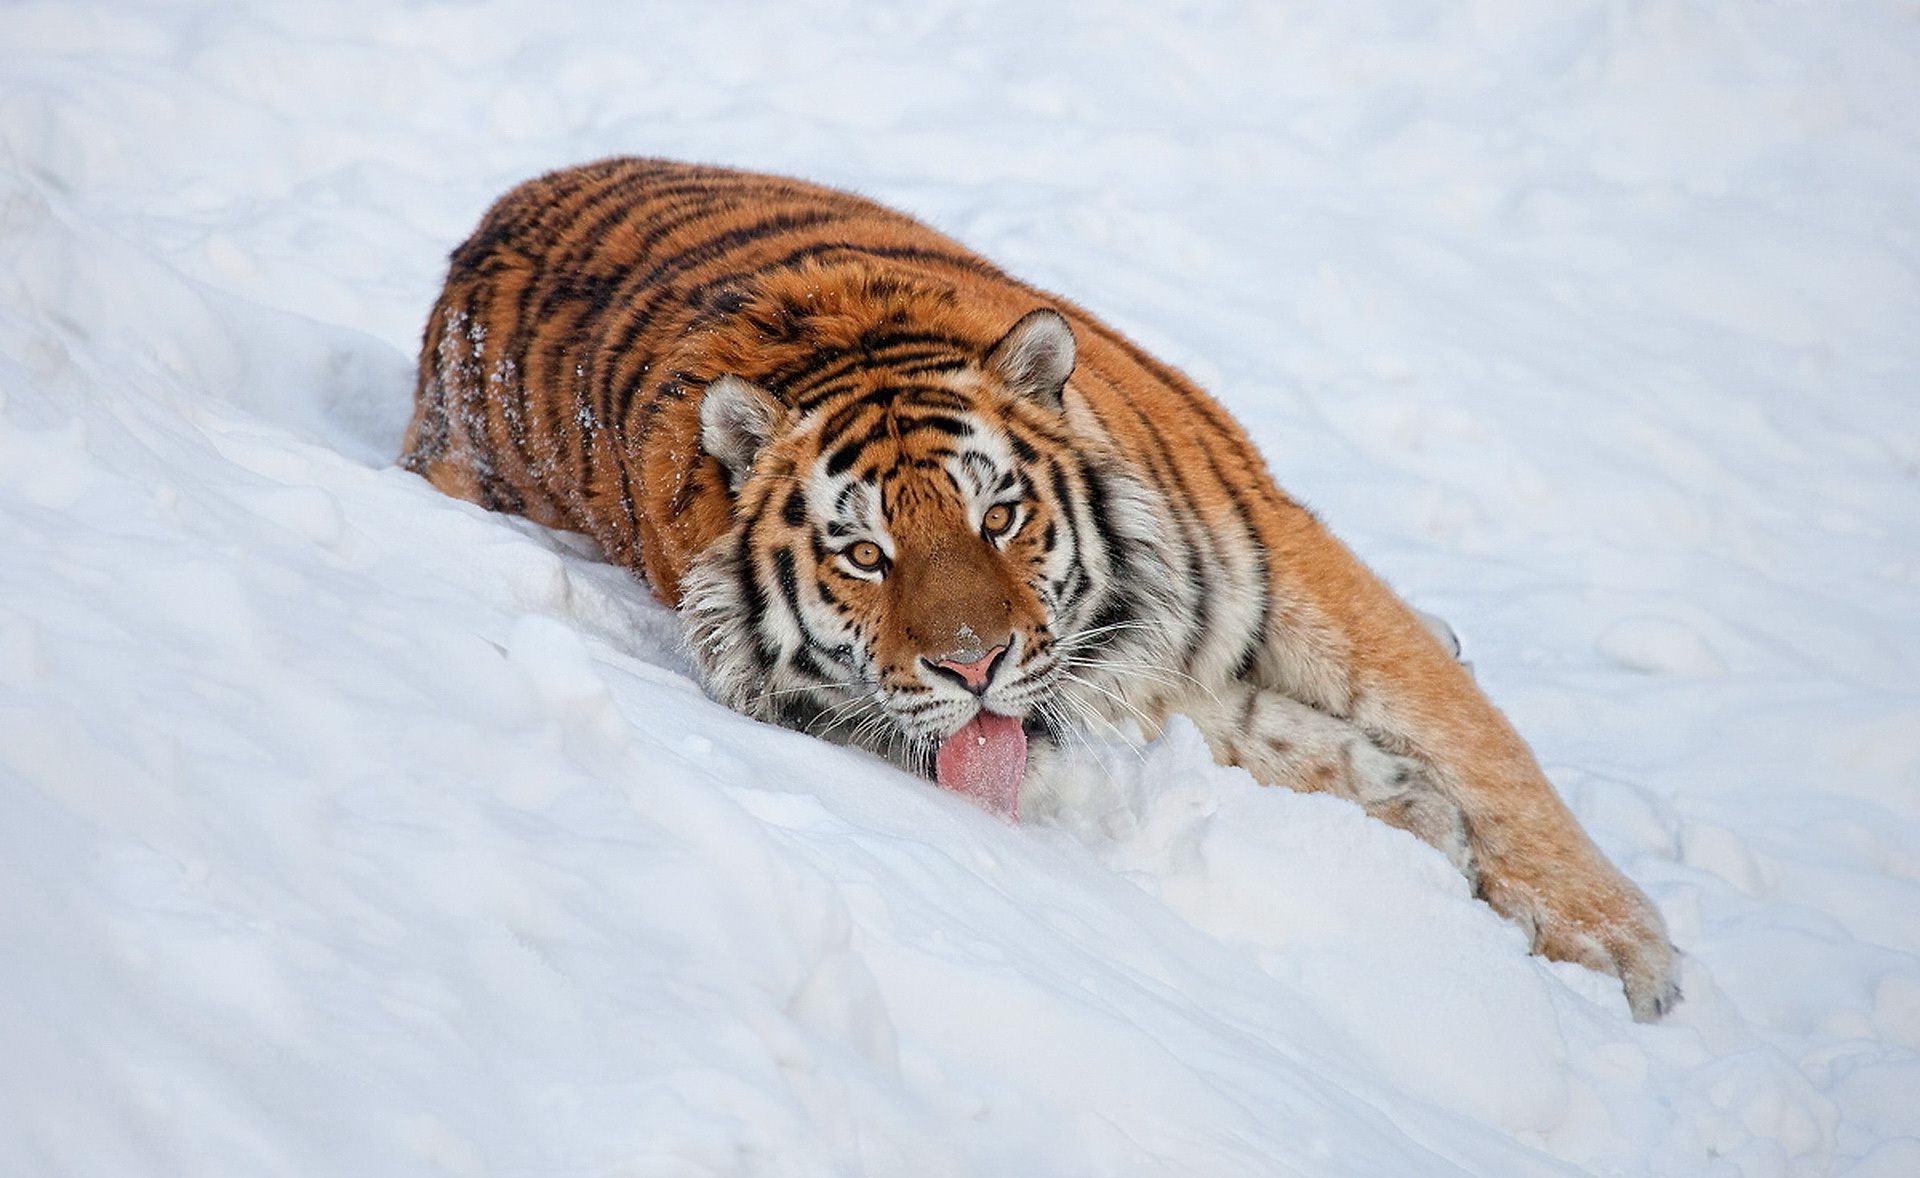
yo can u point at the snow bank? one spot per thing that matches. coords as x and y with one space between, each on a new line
348 829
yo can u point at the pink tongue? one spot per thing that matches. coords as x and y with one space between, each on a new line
985 761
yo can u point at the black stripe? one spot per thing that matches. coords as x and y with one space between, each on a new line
430 389
843 417
804 661
495 493
654 281
929 365
1063 502
612 209
755 594
819 249
831 363
1100 507
787 577
1161 465
953 427
847 455
636 280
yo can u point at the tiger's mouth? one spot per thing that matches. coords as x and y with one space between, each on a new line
985 760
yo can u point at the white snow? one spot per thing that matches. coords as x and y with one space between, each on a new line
346 829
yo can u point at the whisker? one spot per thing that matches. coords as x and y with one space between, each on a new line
1086 709
1115 696
837 713
1154 671
1082 637
772 693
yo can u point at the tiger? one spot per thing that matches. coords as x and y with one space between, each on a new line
913 505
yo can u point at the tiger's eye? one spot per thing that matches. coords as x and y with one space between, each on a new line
866 556
998 519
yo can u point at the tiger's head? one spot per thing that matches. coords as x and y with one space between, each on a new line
930 557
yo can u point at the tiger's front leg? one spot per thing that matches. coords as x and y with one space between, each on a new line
1350 646
1281 741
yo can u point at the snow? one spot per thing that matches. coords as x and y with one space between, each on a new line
350 829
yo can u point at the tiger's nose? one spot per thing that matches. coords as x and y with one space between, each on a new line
974 675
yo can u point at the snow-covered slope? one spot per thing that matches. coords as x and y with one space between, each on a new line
345 829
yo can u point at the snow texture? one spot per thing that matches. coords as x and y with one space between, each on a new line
348 829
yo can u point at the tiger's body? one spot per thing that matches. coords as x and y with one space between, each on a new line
901 496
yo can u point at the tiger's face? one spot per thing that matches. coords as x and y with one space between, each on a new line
913 552
920 566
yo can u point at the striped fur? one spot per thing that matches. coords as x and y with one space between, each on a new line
744 386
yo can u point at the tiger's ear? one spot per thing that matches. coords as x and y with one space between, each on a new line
1036 356
737 418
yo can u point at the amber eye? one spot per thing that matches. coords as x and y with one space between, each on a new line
998 519
866 556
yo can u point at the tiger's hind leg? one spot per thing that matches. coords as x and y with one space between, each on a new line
462 394
1281 741
437 446
450 472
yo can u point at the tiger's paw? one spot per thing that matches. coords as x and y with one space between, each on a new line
1641 957
1608 925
